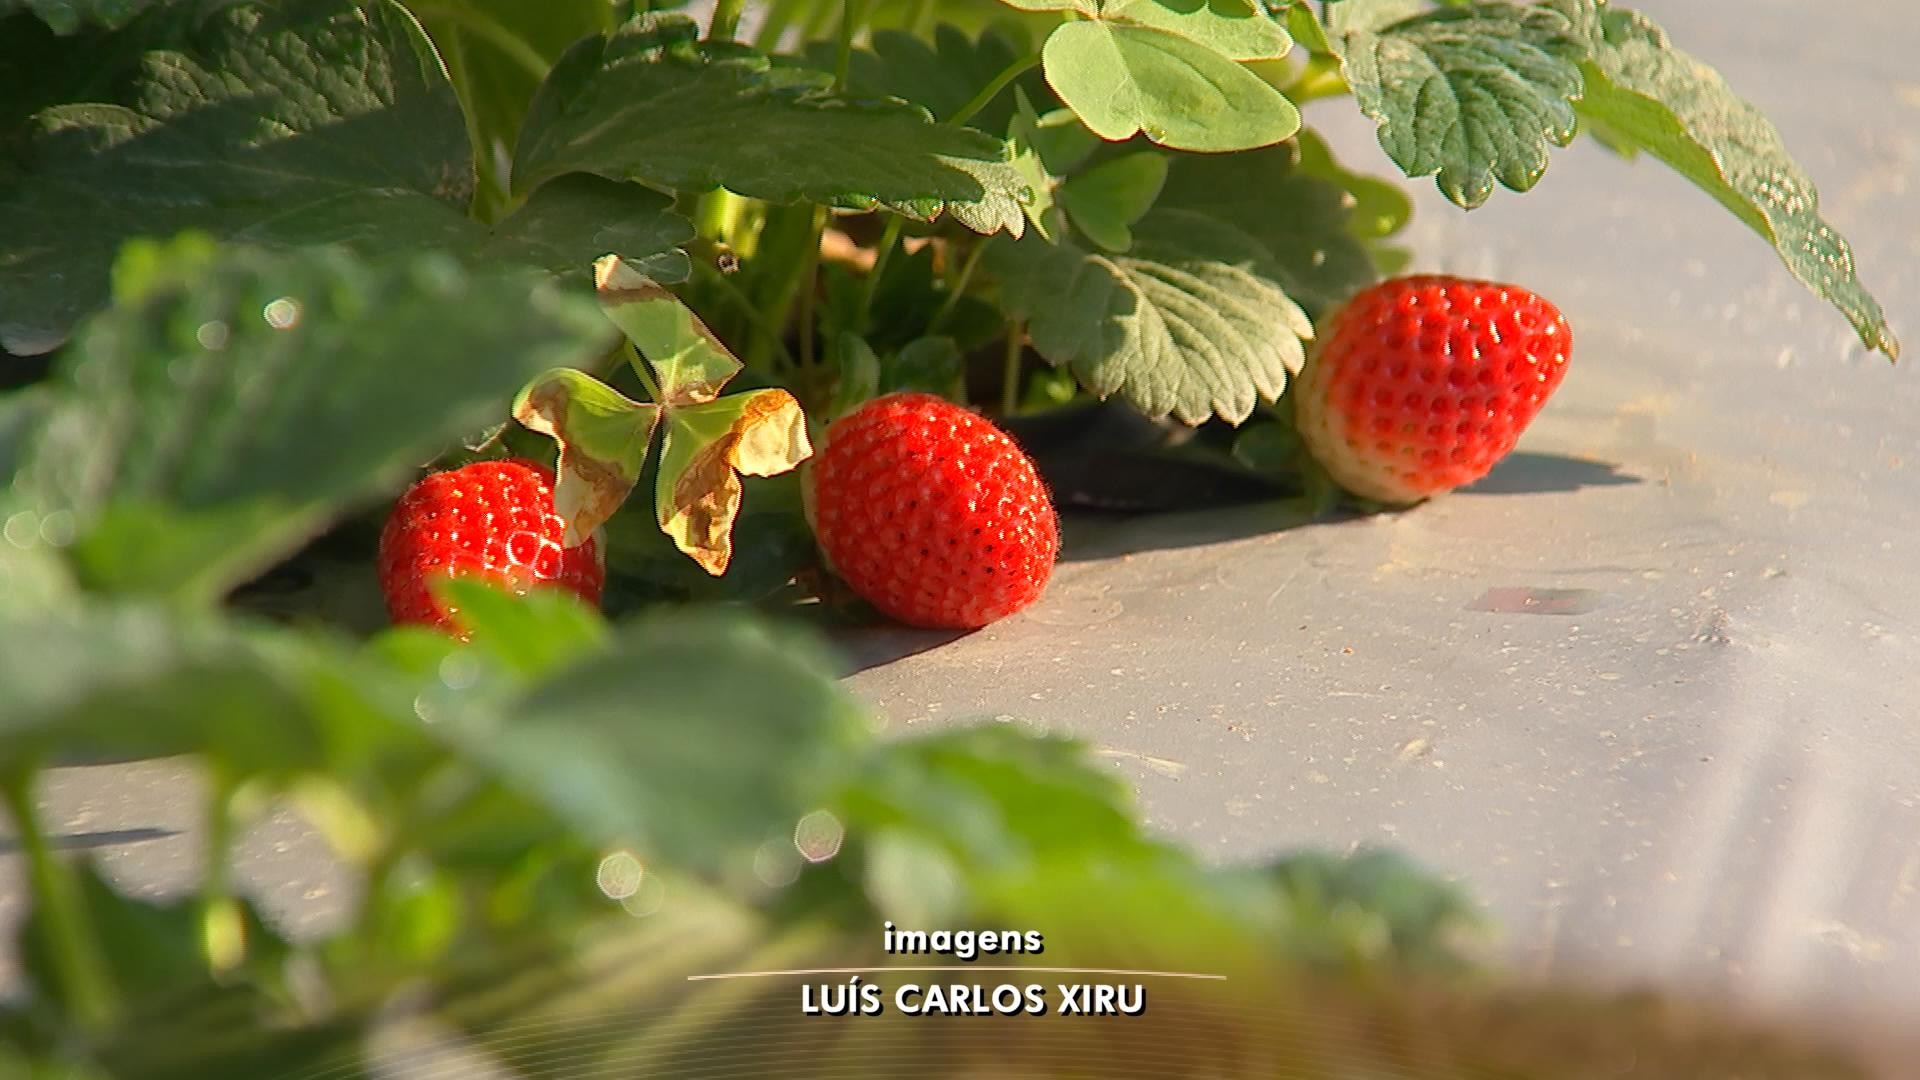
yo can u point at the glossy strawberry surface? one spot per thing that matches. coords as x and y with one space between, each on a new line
932 513
1422 384
492 520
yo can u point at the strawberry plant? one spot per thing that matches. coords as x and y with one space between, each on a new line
666 319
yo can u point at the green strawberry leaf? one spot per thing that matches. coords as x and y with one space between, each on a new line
1191 321
941 75
693 735
230 404
72 16
932 365
1002 206
1123 78
1030 161
33 579
1373 903
142 680
703 453
573 220
1352 16
1379 209
1308 227
690 364
859 374
322 123
1235 29
1650 96
1469 93
1022 827
528 635
1089 8
1061 140
1375 209
653 103
1304 28
603 438
496 53
561 228
1103 201
156 951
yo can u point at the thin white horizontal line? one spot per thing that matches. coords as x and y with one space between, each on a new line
956 967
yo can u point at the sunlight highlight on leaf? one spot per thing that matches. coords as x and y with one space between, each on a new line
706 448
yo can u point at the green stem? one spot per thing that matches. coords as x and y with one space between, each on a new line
992 90
888 241
1010 373
223 932
1321 78
79 967
714 216
645 371
479 23
761 324
781 293
809 286
726 20
959 288
780 15
850 19
920 17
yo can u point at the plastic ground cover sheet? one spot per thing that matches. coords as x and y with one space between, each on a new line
1652 689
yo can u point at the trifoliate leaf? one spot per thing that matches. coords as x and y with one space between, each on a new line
1651 96
708 440
324 123
653 103
1185 323
603 438
1123 78
705 450
1106 199
1469 94
229 405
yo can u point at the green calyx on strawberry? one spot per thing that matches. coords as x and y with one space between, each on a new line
1422 384
931 513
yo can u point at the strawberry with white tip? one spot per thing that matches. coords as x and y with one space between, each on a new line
1422 384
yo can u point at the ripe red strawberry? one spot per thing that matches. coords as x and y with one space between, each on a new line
1423 383
492 520
932 513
